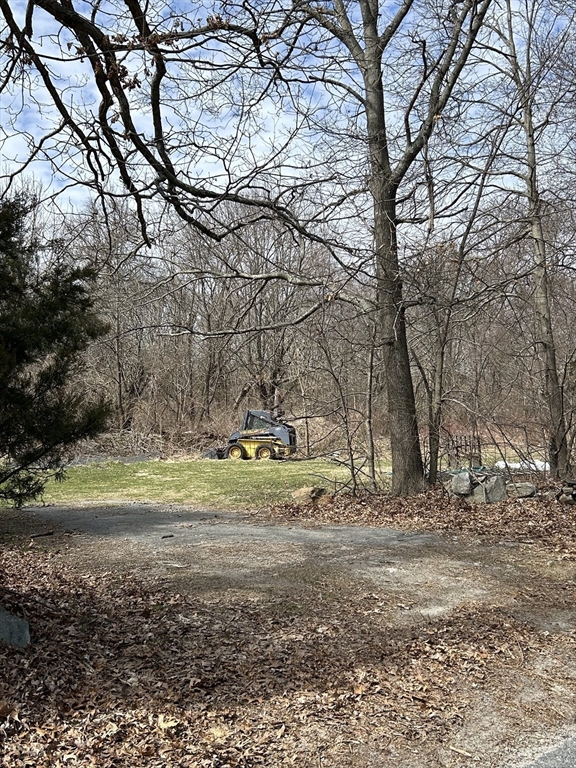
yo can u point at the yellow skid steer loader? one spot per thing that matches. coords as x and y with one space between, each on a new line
261 436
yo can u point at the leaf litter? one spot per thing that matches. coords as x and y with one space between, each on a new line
124 671
546 522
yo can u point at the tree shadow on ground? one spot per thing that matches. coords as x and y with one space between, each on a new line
122 671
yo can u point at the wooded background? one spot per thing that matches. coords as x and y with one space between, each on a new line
360 213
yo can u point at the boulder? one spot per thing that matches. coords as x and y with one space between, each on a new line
495 488
490 490
13 630
521 490
461 484
479 495
309 494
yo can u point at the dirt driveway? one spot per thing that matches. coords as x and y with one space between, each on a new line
429 574
386 648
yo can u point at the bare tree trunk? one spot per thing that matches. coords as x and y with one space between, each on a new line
369 413
304 396
408 469
558 448
559 457
436 411
119 371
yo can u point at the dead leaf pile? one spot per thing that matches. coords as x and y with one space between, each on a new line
545 522
122 672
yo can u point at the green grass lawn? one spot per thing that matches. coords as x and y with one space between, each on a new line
215 484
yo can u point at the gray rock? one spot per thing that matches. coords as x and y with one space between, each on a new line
565 499
495 488
13 630
462 484
521 490
479 495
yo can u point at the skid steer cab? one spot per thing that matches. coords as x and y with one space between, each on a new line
262 436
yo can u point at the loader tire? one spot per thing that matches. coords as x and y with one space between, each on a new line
236 451
265 452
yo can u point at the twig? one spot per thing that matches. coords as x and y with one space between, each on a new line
460 751
562 714
38 535
23 597
520 649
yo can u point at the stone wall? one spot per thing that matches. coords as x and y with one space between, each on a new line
486 488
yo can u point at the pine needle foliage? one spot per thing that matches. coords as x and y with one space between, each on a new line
46 321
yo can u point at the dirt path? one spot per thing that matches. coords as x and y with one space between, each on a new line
443 651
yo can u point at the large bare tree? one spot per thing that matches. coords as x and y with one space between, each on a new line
396 67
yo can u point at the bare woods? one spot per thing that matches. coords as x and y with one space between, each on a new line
359 212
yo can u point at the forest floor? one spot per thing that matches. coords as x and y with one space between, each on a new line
366 633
